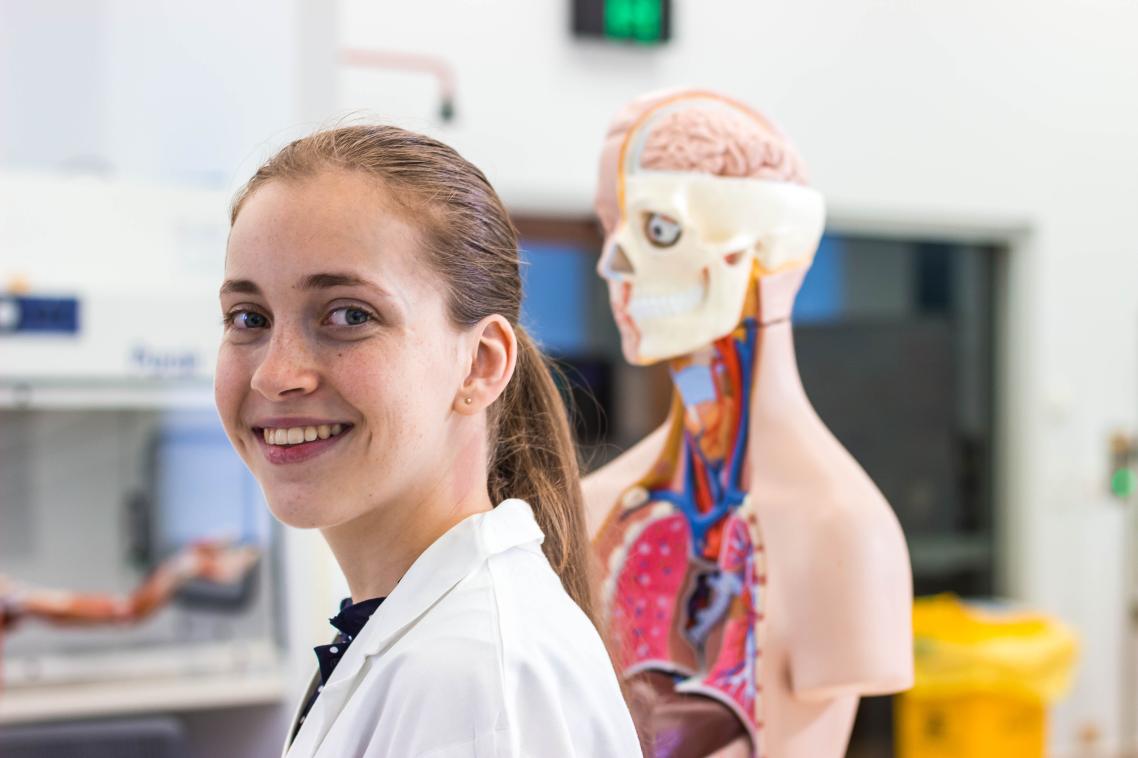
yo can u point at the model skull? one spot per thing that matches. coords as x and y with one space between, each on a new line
680 257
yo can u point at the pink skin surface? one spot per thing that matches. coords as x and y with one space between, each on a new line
304 345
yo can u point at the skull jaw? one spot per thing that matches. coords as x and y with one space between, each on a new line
648 341
673 338
665 339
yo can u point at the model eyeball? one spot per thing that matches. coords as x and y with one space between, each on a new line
661 230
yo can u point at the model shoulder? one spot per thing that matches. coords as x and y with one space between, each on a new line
603 487
852 590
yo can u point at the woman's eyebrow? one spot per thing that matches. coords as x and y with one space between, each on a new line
326 280
239 287
310 282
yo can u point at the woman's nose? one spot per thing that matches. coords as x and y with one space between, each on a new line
287 368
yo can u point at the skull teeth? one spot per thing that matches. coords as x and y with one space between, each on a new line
647 307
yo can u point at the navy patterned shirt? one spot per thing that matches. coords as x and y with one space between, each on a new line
348 622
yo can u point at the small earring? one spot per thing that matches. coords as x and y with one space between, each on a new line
468 400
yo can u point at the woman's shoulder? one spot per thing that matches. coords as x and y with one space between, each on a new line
446 664
558 680
510 649
468 648
514 591
513 610
512 596
543 634
529 594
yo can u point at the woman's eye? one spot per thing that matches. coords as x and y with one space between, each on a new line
349 316
246 320
661 230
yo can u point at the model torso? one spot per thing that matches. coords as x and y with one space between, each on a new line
828 617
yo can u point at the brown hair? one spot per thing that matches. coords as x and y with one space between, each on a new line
472 245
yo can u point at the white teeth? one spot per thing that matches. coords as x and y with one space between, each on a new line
645 307
297 434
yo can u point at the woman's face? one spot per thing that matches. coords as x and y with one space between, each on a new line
339 368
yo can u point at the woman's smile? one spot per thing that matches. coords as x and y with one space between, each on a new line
294 441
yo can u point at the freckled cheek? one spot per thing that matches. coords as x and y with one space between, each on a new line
395 395
364 384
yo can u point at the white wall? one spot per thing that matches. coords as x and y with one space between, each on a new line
152 90
1012 112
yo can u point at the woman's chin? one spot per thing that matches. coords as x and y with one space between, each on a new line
299 513
297 520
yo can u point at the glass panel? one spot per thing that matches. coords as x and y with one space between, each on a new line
93 500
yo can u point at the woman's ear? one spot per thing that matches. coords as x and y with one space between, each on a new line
494 353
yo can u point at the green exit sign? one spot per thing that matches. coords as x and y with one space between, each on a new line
643 21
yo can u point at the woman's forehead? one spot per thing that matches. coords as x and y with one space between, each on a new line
289 230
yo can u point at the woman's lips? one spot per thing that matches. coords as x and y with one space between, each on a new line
303 451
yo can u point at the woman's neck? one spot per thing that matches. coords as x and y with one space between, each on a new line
376 549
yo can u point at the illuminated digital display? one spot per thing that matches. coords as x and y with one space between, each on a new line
641 21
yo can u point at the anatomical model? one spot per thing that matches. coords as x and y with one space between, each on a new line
756 582
211 561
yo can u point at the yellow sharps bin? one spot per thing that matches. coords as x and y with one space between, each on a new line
984 678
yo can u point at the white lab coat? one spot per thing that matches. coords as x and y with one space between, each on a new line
477 653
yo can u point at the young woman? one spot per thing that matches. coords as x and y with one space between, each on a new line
375 379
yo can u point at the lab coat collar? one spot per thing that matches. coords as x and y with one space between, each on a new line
449 560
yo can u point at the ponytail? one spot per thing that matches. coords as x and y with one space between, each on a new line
533 458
